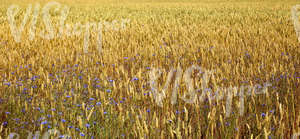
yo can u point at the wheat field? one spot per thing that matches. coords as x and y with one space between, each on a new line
54 84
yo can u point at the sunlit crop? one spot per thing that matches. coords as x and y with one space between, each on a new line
57 83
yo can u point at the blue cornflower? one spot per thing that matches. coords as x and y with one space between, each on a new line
7 112
68 96
85 86
98 86
63 120
263 114
98 103
148 110
44 122
105 112
247 54
227 123
4 123
34 78
91 99
42 118
8 84
108 90
87 125
80 77
135 79
49 126
81 134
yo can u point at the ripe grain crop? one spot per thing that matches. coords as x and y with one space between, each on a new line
53 84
